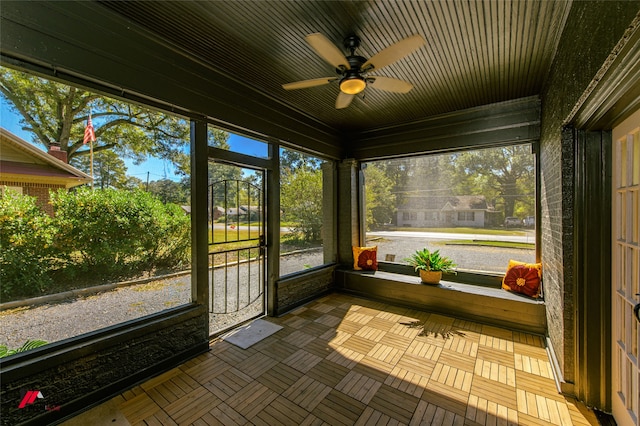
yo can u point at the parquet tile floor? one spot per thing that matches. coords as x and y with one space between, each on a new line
342 360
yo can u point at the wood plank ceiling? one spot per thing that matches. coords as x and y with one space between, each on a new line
477 52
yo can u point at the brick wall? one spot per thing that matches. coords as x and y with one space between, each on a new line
592 30
74 376
292 292
551 231
39 191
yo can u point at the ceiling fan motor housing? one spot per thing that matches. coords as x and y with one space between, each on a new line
353 69
355 62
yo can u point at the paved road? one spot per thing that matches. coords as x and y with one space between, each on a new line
529 237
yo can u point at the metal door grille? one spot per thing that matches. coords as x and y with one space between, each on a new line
236 245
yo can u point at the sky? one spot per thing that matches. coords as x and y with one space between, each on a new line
155 168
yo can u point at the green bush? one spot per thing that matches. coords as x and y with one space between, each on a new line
173 238
114 232
95 236
26 237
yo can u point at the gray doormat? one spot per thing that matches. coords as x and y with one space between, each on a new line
252 333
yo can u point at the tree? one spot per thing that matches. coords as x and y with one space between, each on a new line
169 191
293 160
380 199
109 170
56 113
222 184
301 202
508 172
301 193
398 170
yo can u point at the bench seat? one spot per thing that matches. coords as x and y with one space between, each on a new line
476 303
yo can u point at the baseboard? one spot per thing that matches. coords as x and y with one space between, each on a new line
564 387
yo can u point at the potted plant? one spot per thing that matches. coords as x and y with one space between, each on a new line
431 265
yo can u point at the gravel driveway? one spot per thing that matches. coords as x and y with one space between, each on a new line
60 320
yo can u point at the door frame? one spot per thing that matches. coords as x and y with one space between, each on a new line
271 168
610 98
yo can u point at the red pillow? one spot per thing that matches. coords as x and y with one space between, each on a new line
365 258
524 278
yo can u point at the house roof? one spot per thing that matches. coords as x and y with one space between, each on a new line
20 161
445 203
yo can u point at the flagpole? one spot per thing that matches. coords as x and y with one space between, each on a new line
90 136
91 165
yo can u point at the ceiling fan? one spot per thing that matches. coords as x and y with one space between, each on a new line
353 70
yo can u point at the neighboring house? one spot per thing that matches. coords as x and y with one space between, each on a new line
427 212
216 213
31 171
251 212
243 213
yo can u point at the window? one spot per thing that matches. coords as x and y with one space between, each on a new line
466 216
16 189
409 216
465 197
431 216
302 205
236 143
130 223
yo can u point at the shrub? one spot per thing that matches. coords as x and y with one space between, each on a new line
26 236
173 237
118 232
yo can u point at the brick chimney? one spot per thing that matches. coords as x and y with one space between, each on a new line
54 150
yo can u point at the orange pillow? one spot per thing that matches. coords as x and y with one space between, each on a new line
365 258
524 278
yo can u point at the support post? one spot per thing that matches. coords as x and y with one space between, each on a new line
199 214
348 211
273 229
329 211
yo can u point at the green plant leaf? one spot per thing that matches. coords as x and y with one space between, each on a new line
431 261
27 346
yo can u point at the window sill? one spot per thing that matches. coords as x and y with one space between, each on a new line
478 303
464 277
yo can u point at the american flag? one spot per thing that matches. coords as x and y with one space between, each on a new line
89 133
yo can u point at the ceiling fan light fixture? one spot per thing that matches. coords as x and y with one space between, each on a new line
352 85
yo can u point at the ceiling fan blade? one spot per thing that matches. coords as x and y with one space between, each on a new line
395 52
389 84
327 50
308 83
343 100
